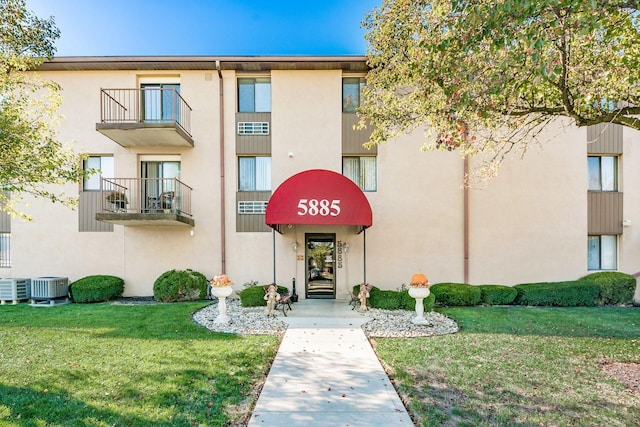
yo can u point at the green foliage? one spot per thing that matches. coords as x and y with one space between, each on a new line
484 75
456 294
31 159
180 285
395 300
560 294
497 294
125 365
96 288
553 354
615 287
253 296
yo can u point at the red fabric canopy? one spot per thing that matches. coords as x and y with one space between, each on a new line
318 197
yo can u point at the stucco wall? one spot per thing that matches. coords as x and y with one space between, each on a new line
528 224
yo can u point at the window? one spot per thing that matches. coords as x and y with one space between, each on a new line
603 173
160 102
254 173
5 249
254 95
351 92
159 183
102 163
362 171
602 252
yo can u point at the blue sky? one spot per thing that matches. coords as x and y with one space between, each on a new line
207 27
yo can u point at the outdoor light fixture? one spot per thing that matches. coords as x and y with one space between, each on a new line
294 245
345 247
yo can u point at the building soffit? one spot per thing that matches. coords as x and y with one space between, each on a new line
236 63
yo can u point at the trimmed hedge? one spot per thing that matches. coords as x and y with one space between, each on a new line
395 300
456 294
615 287
497 294
559 294
253 296
96 288
398 300
180 285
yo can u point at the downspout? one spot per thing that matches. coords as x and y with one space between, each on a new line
223 243
465 207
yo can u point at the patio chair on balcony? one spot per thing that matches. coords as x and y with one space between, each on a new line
166 201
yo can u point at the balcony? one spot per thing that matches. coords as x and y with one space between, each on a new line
145 117
145 202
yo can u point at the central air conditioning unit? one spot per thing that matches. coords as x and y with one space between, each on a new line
14 290
44 288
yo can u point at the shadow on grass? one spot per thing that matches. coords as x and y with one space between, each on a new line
195 398
436 403
157 321
588 322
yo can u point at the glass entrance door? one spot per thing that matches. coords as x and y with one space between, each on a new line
320 257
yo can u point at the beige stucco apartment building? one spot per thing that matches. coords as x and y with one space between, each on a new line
194 151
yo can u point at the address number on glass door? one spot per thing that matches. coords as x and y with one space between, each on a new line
315 207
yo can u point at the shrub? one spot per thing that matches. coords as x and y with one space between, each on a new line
395 300
96 288
560 294
253 296
180 285
615 287
456 294
497 294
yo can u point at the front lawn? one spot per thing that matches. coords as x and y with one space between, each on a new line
519 366
124 365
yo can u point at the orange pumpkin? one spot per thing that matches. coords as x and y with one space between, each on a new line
419 280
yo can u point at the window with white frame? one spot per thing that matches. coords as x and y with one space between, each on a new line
602 252
254 173
5 250
351 93
104 164
361 170
254 95
603 173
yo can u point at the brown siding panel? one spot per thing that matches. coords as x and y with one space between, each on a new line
88 206
604 138
604 213
251 222
253 144
352 139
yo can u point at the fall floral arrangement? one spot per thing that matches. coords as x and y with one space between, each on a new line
419 280
221 281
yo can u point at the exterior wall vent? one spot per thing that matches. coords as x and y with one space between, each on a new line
253 128
252 207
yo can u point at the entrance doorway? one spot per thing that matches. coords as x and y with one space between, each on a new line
320 255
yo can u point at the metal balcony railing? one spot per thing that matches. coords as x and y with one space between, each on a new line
145 105
145 195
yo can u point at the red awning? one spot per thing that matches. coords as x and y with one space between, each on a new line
318 197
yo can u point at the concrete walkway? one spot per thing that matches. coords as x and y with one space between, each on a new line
326 374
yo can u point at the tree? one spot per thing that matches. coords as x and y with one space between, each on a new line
488 75
32 161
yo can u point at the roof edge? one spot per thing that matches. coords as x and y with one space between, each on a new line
238 63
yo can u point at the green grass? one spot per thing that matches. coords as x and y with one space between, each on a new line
517 366
120 365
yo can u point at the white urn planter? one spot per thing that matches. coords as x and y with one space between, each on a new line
419 293
221 292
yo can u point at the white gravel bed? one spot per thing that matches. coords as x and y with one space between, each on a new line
383 323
